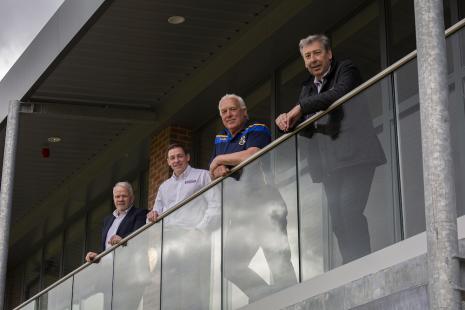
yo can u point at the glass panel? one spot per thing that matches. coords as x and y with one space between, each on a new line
456 87
74 246
30 306
346 197
52 261
92 287
58 298
408 115
191 263
411 168
136 283
260 247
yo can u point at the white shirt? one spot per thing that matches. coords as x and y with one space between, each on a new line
319 83
201 213
119 217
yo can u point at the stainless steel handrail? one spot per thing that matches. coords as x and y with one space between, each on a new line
450 31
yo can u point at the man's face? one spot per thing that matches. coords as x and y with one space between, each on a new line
233 117
178 160
317 59
122 199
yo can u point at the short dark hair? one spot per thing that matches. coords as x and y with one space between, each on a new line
324 40
178 145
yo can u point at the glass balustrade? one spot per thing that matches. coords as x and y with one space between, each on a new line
58 298
346 185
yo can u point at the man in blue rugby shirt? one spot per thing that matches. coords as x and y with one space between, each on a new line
254 213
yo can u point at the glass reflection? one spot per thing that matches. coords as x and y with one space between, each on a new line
92 287
136 283
339 155
256 249
58 298
191 252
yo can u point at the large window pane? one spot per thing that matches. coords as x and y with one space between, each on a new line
58 298
347 204
74 246
136 283
191 261
92 286
260 247
401 29
32 275
52 260
94 225
359 40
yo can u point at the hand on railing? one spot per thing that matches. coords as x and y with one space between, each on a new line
152 216
90 257
286 121
219 171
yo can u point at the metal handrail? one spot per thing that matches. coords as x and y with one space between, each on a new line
382 74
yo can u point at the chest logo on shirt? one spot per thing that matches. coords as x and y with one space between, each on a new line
242 140
189 181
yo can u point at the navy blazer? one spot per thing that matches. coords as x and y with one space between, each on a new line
135 219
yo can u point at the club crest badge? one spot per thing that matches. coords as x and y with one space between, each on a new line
242 140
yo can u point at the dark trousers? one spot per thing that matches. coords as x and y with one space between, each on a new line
347 192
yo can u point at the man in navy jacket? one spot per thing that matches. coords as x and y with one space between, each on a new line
123 221
343 147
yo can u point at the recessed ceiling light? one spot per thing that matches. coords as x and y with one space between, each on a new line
176 20
54 139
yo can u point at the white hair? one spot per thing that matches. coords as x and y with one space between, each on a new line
235 97
125 185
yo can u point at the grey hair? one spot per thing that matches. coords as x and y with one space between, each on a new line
236 97
324 40
125 185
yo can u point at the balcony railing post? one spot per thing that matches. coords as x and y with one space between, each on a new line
441 215
6 195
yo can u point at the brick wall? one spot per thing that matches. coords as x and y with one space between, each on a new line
158 167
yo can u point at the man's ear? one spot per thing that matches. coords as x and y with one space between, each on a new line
188 156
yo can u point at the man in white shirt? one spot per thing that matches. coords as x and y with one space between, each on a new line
199 214
186 260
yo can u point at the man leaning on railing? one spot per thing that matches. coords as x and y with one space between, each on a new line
187 233
254 213
122 222
343 148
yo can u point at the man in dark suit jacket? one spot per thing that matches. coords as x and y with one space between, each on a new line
123 221
344 149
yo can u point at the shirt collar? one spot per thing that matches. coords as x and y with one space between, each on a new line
317 81
115 213
184 174
230 136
